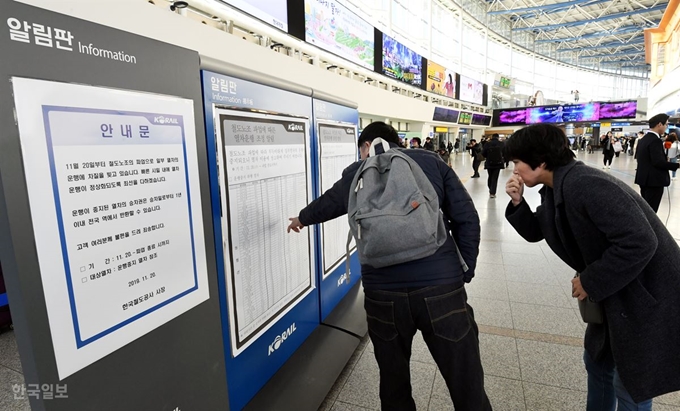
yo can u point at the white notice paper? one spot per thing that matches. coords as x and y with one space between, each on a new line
338 146
113 185
268 271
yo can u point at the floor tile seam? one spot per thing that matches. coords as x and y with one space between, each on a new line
558 339
505 377
544 305
353 404
12 369
434 380
554 386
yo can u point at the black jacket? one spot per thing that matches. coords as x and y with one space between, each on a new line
493 144
652 169
460 217
607 147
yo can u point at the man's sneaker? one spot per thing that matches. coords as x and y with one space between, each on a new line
603 167
492 196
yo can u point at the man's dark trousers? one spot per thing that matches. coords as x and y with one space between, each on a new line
652 196
475 167
447 323
493 180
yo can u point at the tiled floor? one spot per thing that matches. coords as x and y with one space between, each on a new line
531 333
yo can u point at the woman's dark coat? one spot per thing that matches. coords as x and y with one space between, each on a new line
628 261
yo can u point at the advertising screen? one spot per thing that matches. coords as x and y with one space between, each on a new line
510 117
563 113
481 120
401 63
465 118
621 109
274 12
440 80
504 82
471 90
332 27
445 114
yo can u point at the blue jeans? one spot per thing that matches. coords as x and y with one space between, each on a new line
605 388
447 323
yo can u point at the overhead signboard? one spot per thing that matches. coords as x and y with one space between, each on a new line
440 80
334 28
400 62
274 12
471 91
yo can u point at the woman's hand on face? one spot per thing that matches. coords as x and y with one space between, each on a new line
515 189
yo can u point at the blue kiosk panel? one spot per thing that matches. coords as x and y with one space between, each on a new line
261 173
336 137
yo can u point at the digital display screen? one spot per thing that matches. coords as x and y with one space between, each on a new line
334 28
621 109
401 63
504 82
562 113
465 118
471 90
274 12
508 117
440 80
481 120
445 114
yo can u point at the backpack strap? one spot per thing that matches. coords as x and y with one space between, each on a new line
378 141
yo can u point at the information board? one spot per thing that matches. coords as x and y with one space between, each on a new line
338 149
266 172
113 184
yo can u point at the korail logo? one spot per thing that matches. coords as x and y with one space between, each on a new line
280 339
343 279
295 127
165 120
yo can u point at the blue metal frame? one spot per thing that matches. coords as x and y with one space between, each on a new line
544 8
620 30
613 44
620 54
659 7
561 9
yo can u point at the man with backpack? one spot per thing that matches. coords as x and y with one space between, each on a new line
493 152
395 198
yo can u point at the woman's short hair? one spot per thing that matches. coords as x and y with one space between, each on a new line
538 144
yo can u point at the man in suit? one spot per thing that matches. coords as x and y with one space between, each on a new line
653 166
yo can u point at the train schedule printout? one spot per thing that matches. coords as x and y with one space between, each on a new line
114 191
266 162
339 149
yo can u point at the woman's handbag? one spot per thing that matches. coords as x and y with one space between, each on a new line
591 311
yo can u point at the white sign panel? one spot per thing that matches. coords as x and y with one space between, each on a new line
338 146
114 191
266 161
471 90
